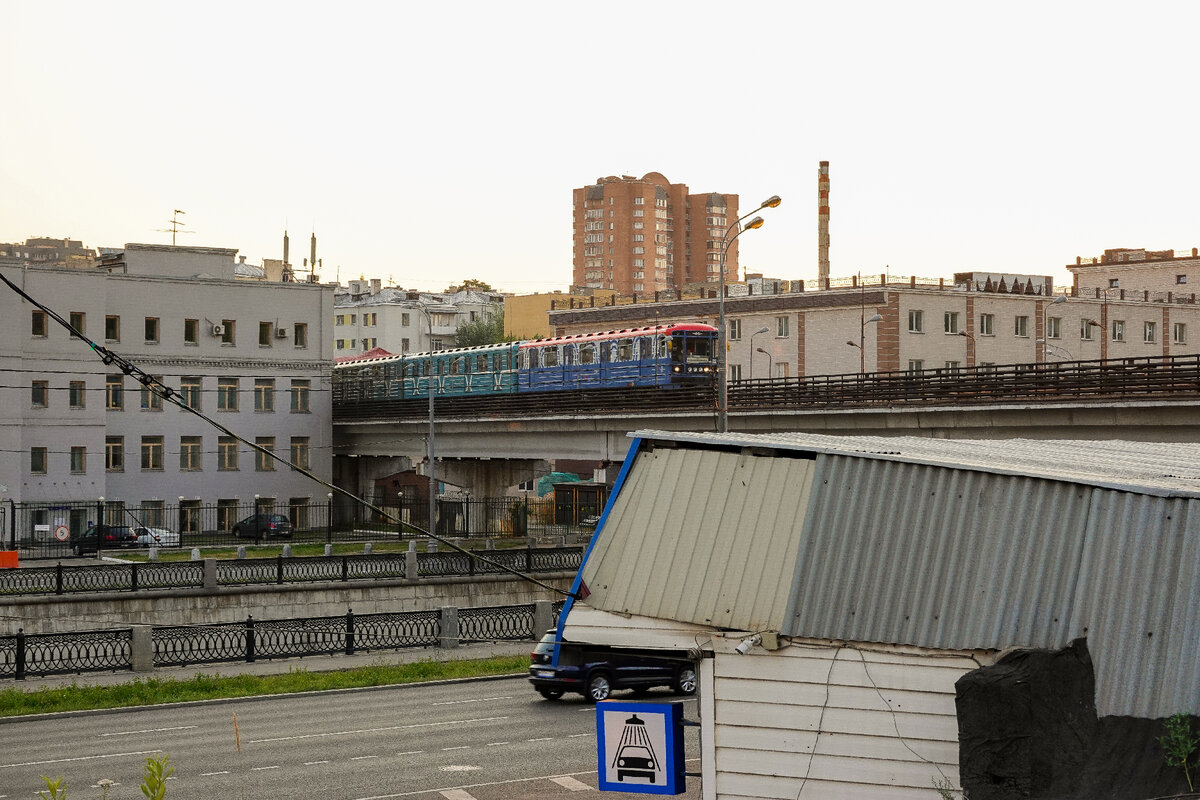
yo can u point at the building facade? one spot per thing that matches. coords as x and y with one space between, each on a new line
366 316
1127 271
253 355
642 235
933 325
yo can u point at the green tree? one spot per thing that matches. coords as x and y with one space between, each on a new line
486 330
470 284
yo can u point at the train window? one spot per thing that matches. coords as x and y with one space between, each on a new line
568 353
587 354
456 366
549 356
624 350
502 364
407 370
525 359
481 363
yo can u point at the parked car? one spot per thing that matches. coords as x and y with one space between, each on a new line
156 537
103 536
258 526
596 671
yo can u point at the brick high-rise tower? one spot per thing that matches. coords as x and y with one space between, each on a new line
647 234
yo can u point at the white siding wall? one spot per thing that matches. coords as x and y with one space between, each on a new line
864 721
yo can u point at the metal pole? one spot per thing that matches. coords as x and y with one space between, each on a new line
432 451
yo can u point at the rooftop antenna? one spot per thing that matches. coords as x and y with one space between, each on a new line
176 223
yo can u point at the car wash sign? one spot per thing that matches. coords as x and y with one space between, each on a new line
640 747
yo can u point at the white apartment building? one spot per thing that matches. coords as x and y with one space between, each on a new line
367 316
254 355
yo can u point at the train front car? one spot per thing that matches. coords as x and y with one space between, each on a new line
691 353
663 355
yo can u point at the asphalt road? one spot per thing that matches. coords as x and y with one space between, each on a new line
485 740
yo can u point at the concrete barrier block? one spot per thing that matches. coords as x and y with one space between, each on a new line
449 634
141 650
210 573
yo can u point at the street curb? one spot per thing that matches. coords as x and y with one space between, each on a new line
186 703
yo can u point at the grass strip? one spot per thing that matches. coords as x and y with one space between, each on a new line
152 691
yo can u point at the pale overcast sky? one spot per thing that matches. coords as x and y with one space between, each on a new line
433 142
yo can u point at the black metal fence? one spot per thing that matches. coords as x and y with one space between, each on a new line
54 530
60 579
24 654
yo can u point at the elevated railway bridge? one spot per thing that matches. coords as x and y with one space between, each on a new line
489 443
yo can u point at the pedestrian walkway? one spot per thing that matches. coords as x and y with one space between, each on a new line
329 663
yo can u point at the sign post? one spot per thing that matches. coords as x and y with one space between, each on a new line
640 747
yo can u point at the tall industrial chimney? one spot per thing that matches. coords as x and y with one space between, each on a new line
823 225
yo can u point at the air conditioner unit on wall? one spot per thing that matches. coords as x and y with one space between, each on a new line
281 333
218 330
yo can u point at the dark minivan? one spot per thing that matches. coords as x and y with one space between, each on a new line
595 671
107 537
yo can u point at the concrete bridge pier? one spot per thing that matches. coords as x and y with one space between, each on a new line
488 477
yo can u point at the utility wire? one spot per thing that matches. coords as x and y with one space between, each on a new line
173 396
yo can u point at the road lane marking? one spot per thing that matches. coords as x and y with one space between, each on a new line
460 747
481 785
151 730
410 753
457 794
360 758
495 744
573 735
459 768
210 774
79 758
373 730
567 782
543 739
314 763
260 769
480 700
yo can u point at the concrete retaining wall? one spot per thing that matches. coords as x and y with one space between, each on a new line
80 612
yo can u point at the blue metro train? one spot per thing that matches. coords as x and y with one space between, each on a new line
660 355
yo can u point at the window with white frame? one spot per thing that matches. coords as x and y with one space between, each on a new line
1085 329
987 324
915 365
735 329
1118 330
916 321
1054 327
782 326
950 321
1021 326
735 372
1179 332
1150 333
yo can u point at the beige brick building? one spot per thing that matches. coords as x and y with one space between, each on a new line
642 235
1159 273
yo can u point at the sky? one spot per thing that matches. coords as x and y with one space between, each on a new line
429 143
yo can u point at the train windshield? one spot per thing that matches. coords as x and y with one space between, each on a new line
691 349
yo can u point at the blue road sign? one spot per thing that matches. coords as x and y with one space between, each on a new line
640 747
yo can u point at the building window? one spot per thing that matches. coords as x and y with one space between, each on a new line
152 400
77 321
264 394
191 331
1179 332
404 320
1113 283
340 344
227 514
112 328
78 460
37 325
151 330
1181 278
735 329
39 394
950 321
987 324
1150 333
264 334
114 453
152 452
229 328
1054 328
1085 329
189 390
299 452
915 365
189 453
1021 326
77 390
782 326
916 321
37 460
227 394
735 372
114 392
262 461
953 367
227 453
152 513
782 369
1118 330
300 334
300 396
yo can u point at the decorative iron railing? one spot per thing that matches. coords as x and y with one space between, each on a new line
57 653
496 623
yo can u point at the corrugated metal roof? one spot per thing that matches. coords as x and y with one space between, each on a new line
702 536
1148 467
940 544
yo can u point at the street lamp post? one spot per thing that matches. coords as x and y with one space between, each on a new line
770 361
763 329
861 344
1061 298
722 333
432 450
